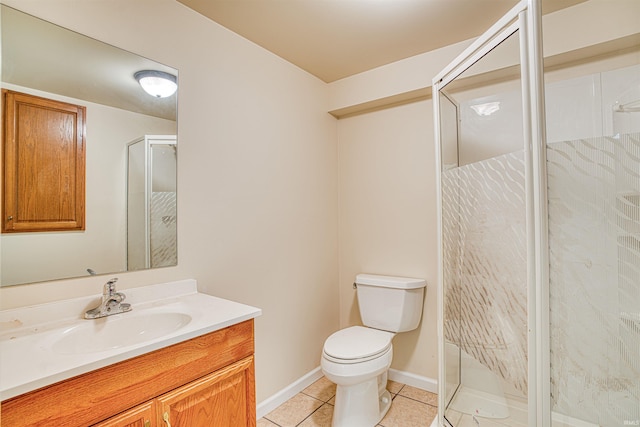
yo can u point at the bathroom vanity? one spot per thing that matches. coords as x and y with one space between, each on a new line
197 368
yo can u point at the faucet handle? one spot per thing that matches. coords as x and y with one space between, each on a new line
110 286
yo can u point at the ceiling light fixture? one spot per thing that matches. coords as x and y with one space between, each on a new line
486 109
157 83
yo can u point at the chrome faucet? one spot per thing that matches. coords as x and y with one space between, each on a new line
111 302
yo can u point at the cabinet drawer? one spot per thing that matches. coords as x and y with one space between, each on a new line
140 416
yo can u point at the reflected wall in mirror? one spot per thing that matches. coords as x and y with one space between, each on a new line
49 61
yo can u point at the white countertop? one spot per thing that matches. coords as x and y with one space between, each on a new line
27 335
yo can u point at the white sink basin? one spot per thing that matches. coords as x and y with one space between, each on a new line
117 331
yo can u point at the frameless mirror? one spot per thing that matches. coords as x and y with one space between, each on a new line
46 60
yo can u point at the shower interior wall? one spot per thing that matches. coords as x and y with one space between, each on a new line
593 172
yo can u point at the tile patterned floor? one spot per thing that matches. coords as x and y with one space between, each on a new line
313 407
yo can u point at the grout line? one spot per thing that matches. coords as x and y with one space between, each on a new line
416 400
313 412
325 401
272 422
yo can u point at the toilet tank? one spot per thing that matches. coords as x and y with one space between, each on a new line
390 303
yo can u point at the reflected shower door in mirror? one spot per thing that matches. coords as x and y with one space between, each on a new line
484 236
99 77
151 202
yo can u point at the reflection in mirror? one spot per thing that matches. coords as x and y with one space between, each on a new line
151 202
100 77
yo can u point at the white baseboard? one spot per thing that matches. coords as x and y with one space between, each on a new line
424 383
271 403
306 380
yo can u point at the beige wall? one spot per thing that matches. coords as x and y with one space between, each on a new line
257 178
388 216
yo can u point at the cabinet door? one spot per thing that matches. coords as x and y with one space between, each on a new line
221 399
139 416
43 164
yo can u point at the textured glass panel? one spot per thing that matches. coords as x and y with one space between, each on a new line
162 206
484 230
594 242
163 229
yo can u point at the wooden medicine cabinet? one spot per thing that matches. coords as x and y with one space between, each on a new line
43 164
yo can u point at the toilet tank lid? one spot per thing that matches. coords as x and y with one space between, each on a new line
390 281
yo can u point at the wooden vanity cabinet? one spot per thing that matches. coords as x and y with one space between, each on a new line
206 381
218 399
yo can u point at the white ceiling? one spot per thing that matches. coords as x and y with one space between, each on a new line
333 39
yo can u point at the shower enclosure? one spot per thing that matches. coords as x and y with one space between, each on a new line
151 202
539 217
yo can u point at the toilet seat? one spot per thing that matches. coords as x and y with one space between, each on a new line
357 344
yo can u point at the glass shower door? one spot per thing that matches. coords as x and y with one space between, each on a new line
484 134
484 243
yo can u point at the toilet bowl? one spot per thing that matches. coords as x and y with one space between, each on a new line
357 359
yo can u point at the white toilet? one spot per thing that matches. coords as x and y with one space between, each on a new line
357 359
